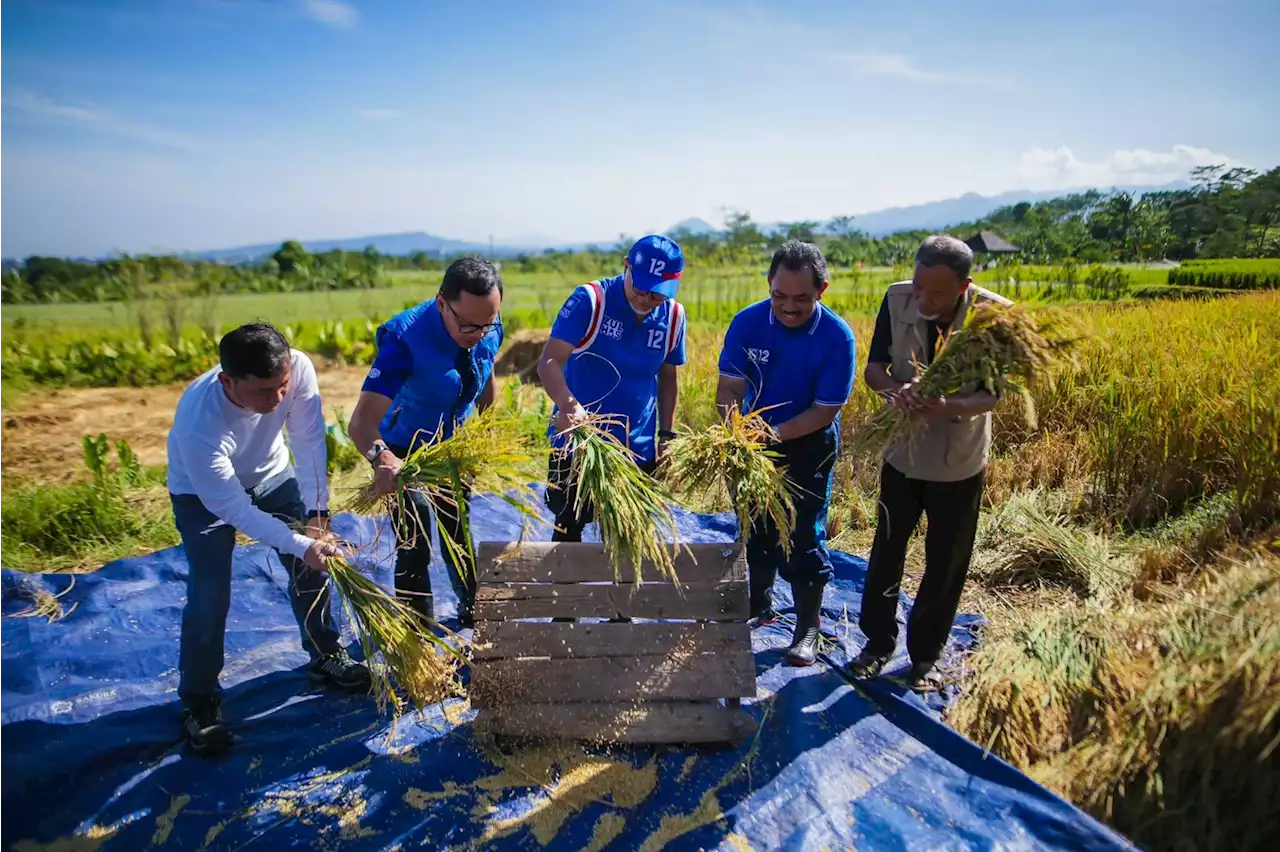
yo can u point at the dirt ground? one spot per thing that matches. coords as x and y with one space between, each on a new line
41 437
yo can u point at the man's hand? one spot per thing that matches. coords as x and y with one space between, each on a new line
318 552
318 528
570 416
387 472
911 401
662 449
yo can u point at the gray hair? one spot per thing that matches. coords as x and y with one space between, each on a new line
943 250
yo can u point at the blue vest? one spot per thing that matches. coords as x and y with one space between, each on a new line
438 393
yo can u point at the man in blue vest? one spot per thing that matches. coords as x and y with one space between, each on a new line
433 370
792 357
614 350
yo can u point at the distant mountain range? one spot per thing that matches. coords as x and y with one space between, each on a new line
932 215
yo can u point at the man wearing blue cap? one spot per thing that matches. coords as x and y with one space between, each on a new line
614 350
791 358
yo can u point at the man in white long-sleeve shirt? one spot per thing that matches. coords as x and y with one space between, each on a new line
229 470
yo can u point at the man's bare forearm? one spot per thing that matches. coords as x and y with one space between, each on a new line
878 379
365 420
729 395
815 418
970 404
488 395
668 396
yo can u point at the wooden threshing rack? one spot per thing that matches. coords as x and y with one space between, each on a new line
677 680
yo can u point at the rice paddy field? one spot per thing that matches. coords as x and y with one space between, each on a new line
1129 553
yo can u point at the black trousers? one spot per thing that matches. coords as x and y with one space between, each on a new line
809 461
413 528
562 495
952 512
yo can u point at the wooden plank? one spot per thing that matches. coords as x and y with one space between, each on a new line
640 722
511 683
713 601
552 562
501 639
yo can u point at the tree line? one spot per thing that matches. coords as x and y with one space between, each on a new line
1226 212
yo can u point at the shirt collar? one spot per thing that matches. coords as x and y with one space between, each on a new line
811 324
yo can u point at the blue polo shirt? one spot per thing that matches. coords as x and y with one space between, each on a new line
433 382
790 368
617 357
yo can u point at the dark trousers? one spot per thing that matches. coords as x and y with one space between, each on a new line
413 551
809 461
562 495
209 544
952 511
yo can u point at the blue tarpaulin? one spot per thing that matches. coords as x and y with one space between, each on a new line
92 757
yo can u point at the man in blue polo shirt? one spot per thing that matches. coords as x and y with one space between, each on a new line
433 370
794 357
614 350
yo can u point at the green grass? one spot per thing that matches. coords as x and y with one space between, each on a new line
531 300
82 525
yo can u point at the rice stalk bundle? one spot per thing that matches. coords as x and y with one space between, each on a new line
632 509
412 655
733 459
999 348
485 454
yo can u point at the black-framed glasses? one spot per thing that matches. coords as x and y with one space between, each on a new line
465 327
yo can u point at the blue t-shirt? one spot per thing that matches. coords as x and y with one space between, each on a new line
791 368
432 381
617 356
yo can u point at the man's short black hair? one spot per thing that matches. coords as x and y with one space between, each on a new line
796 255
473 274
257 350
943 250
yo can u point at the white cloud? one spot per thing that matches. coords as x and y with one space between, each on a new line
1060 168
334 13
903 67
375 114
95 119
890 65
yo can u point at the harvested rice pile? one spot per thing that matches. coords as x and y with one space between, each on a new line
733 460
1001 349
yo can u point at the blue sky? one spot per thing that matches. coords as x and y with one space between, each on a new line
148 125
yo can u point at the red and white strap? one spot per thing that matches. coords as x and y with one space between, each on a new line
595 295
675 326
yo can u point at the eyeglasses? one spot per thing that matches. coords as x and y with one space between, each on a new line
465 327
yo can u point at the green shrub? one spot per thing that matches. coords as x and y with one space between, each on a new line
1236 274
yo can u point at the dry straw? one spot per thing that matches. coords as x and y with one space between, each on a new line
634 511
424 664
1001 349
734 460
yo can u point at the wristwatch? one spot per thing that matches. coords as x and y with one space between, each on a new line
317 513
375 451
666 434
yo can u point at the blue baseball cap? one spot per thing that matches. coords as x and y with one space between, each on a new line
656 263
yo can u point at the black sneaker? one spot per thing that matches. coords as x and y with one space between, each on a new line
202 723
764 618
338 669
868 665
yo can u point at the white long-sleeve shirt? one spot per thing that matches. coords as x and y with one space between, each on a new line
218 451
